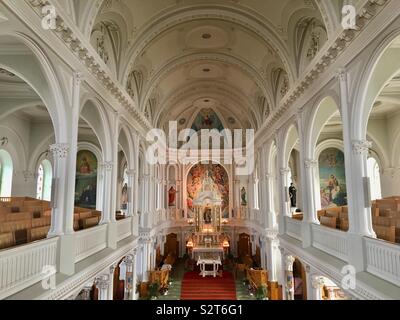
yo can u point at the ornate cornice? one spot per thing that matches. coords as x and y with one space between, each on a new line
76 42
323 60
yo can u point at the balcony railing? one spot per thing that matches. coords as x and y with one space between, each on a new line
383 259
293 228
90 241
331 241
21 267
124 228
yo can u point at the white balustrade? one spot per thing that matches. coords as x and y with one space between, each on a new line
383 259
293 228
23 266
90 241
331 241
124 228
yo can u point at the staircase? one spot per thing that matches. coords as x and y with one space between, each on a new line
195 287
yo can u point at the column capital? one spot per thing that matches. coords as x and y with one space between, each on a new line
112 268
77 78
269 175
60 150
310 163
341 74
131 173
107 165
289 260
102 281
284 171
361 147
316 281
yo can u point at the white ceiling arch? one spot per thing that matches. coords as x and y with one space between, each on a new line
202 59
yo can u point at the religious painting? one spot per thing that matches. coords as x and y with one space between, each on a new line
172 197
207 119
219 178
332 178
86 180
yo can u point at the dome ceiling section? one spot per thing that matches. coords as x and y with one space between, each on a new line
237 16
215 75
232 105
214 50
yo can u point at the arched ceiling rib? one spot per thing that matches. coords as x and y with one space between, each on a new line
237 46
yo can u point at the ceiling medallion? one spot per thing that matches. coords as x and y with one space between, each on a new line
206 70
206 36
182 121
206 101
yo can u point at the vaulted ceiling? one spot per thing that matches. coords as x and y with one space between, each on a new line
237 57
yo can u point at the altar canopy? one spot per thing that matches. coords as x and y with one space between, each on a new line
207 238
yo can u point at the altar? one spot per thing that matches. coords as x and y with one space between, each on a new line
214 262
207 252
207 240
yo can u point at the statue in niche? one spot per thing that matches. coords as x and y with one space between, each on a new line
293 195
124 197
172 197
101 49
207 216
243 197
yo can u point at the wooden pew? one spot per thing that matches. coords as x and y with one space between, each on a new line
6 240
330 222
89 222
39 233
385 233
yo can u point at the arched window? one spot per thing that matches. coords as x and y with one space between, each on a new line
44 180
375 178
39 184
6 174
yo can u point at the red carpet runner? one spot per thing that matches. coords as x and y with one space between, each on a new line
195 287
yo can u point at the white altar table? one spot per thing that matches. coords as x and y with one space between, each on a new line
214 262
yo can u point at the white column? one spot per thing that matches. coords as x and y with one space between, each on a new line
134 274
288 279
145 242
283 198
271 248
128 262
314 286
86 292
103 285
269 201
107 168
356 152
312 190
60 164
131 192
111 282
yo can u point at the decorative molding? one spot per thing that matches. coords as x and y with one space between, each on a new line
311 163
92 62
361 147
108 166
60 150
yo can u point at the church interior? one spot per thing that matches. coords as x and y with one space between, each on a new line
310 95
